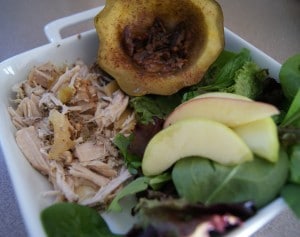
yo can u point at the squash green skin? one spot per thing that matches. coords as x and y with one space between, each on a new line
204 19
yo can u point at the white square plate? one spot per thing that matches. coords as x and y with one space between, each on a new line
27 182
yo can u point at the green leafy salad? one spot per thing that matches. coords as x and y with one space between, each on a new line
195 191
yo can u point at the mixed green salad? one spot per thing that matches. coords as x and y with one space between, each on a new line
197 190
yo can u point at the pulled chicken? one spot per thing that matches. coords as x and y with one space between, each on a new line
66 120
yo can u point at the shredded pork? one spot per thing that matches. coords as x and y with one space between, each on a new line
66 120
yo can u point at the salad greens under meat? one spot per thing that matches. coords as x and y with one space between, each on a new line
198 196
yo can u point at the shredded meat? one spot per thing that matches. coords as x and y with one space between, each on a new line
28 141
62 183
104 192
80 171
66 120
158 50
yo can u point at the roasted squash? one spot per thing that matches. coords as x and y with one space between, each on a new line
158 47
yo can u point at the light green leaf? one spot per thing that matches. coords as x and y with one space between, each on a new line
138 185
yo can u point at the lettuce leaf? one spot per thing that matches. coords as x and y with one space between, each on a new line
138 185
149 106
248 81
292 118
133 162
234 73
224 76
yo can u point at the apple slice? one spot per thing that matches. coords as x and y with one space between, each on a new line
222 95
231 112
261 137
194 137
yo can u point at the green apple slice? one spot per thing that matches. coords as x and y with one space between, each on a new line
231 112
194 137
222 95
261 137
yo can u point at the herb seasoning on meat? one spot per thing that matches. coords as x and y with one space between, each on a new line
159 50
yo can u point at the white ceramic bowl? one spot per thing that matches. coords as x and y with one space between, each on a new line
27 182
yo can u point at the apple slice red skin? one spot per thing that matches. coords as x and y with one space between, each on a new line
229 111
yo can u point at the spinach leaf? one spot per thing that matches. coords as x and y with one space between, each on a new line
201 180
289 76
70 219
295 164
291 194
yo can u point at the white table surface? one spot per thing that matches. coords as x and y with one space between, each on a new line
271 25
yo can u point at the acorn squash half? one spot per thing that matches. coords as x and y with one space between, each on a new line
158 47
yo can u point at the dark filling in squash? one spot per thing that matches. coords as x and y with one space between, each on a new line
158 50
